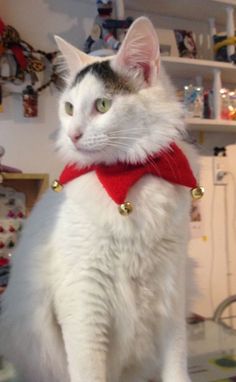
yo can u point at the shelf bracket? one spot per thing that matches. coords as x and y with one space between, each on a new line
217 85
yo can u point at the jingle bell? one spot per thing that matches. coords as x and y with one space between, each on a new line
56 186
125 208
197 192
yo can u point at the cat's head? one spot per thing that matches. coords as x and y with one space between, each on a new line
121 108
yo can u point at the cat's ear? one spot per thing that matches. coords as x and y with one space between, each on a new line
75 58
140 50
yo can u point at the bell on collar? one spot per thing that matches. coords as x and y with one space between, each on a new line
125 208
56 186
197 192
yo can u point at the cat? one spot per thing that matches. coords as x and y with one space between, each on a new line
96 296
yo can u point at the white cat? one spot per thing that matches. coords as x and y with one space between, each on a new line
95 296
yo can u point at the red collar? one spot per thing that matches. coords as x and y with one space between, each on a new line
171 165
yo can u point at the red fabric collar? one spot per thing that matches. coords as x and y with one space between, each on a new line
171 165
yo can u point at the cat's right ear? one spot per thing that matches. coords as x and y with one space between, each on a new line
75 58
139 52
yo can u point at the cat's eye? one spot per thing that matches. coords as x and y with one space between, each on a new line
102 105
69 108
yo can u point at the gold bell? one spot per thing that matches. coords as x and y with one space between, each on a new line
197 192
125 208
56 186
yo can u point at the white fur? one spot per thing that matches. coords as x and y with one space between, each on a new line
95 296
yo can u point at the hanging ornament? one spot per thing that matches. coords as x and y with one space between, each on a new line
20 62
30 102
35 64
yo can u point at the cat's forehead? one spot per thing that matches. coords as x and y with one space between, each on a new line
105 74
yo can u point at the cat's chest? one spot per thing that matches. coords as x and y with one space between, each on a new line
89 219
132 252
151 198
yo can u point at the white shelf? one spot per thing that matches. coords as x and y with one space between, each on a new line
200 10
225 2
211 125
189 68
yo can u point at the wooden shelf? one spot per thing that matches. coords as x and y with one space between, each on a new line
189 68
32 185
200 10
25 176
211 125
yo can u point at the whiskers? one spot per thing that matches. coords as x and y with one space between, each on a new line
153 164
170 163
123 140
118 145
121 134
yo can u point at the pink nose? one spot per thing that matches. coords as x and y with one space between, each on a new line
75 137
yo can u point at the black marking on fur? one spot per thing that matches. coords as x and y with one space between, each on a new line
113 82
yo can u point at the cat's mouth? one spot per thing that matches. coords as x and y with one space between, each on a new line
91 144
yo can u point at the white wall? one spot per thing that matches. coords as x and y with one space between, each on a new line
214 250
27 141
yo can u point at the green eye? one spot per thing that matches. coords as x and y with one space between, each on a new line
69 108
102 105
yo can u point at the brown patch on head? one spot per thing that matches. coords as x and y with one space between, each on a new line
113 82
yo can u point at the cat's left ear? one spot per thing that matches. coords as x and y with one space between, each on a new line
75 58
140 51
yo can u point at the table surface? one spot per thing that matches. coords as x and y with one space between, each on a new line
212 354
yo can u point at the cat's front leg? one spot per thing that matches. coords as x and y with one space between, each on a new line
175 354
85 321
174 343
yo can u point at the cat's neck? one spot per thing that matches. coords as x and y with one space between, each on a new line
117 179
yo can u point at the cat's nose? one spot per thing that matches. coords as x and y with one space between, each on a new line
75 136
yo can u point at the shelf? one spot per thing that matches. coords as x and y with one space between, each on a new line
32 185
25 176
211 125
200 10
189 68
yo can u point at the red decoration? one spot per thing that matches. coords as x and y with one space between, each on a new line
171 165
4 261
19 55
10 214
2 26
